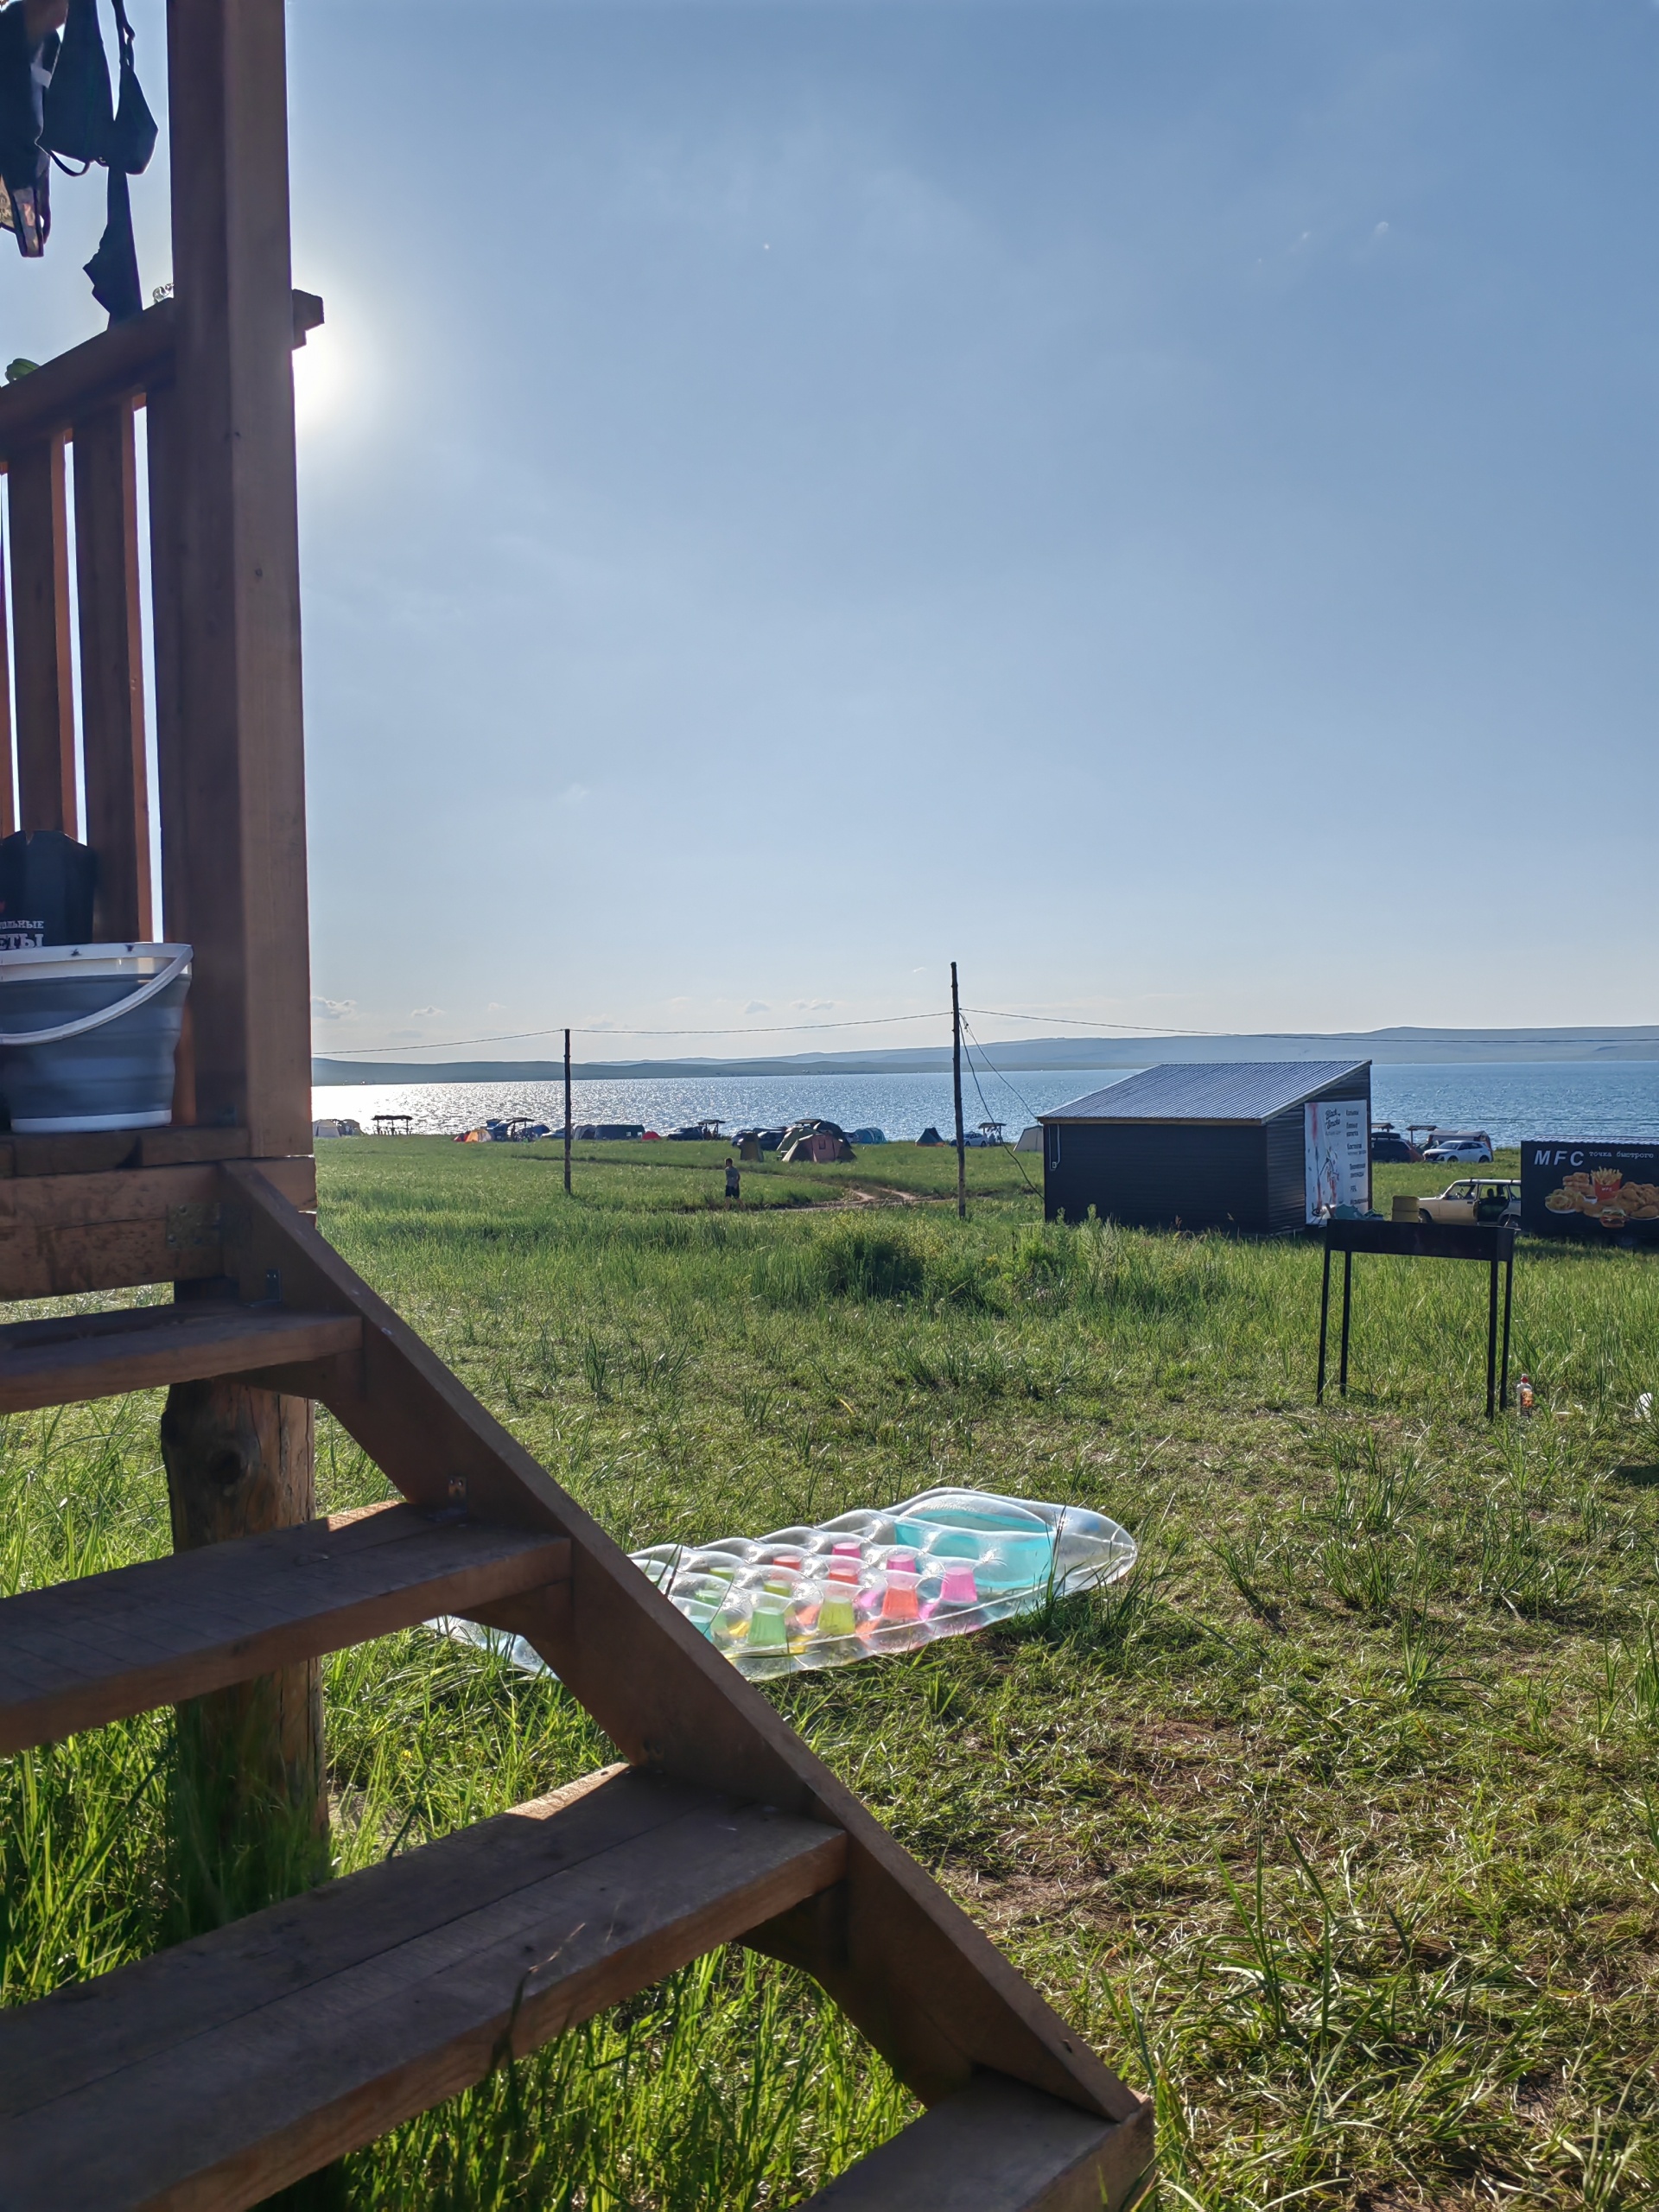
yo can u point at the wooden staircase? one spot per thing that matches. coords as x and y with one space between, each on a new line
218 2071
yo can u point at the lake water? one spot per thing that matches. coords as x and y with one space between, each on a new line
1509 1099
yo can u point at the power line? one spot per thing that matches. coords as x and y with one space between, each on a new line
1014 1156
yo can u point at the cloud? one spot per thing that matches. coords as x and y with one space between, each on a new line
813 1006
416 1012
332 1009
757 1006
495 1006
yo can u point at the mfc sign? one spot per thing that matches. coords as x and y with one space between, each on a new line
1585 1187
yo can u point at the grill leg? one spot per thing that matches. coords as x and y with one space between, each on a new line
1504 1367
1347 1301
1324 1321
1492 1342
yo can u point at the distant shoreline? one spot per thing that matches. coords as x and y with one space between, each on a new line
1055 1055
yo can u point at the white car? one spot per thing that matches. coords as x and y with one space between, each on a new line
1475 1145
1481 1197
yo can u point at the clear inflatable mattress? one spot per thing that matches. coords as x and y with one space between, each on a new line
943 1563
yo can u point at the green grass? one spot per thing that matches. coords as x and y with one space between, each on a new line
1336 1826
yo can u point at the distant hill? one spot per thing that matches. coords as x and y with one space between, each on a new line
1397 1046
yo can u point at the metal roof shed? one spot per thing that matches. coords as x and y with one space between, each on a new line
1253 1145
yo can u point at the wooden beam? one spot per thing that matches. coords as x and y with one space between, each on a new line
76 1357
63 1235
997 2146
111 670
910 1968
212 2074
122 363
40 621
235 815
115 365
7 803
81 1654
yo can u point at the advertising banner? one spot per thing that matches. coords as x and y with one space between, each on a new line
1337 1155
1582 1186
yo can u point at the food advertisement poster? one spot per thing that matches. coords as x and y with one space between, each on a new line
1338 1155
1581 1187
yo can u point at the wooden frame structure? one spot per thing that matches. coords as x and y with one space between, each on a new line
216 2072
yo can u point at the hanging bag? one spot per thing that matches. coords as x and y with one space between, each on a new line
132 140
80 113
25 170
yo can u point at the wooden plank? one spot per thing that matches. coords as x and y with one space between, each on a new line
997 2146
135 1193
74 1358
239 838
177 1146
123 362
910 1968
99 1255
90 1152
8 808
61 1235
103 1150
40 622
111 671
118 361
109 1645
214 2074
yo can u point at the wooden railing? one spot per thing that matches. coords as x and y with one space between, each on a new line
87 399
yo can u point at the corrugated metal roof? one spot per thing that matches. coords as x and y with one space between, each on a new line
1218 1091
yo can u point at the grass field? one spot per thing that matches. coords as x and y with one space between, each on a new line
1336 1827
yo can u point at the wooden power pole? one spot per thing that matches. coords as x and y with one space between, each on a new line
956 1082
567 1112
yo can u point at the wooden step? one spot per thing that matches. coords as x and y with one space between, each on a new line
76 1356
82 1653
998 2146
215 2073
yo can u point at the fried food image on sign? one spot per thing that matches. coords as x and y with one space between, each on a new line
1562 1202
1580 1182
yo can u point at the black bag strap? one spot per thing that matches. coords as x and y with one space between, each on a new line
132 139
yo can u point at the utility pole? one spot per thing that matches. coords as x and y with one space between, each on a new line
956 1080
567 1112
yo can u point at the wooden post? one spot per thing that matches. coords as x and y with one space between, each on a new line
8 812
955 1081
40 622
250 1815
235 819
229 750
111 670
567 1112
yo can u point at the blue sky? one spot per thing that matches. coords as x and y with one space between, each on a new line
1155 501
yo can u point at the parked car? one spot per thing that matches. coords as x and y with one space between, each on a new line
1388 1144
1460 1145
1477 1198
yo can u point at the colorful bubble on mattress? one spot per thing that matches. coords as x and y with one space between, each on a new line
943 1563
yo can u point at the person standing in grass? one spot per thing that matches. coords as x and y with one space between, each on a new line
733 1183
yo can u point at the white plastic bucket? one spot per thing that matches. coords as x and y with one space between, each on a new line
88 1034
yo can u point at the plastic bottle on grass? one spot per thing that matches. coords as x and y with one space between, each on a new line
1525 1396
